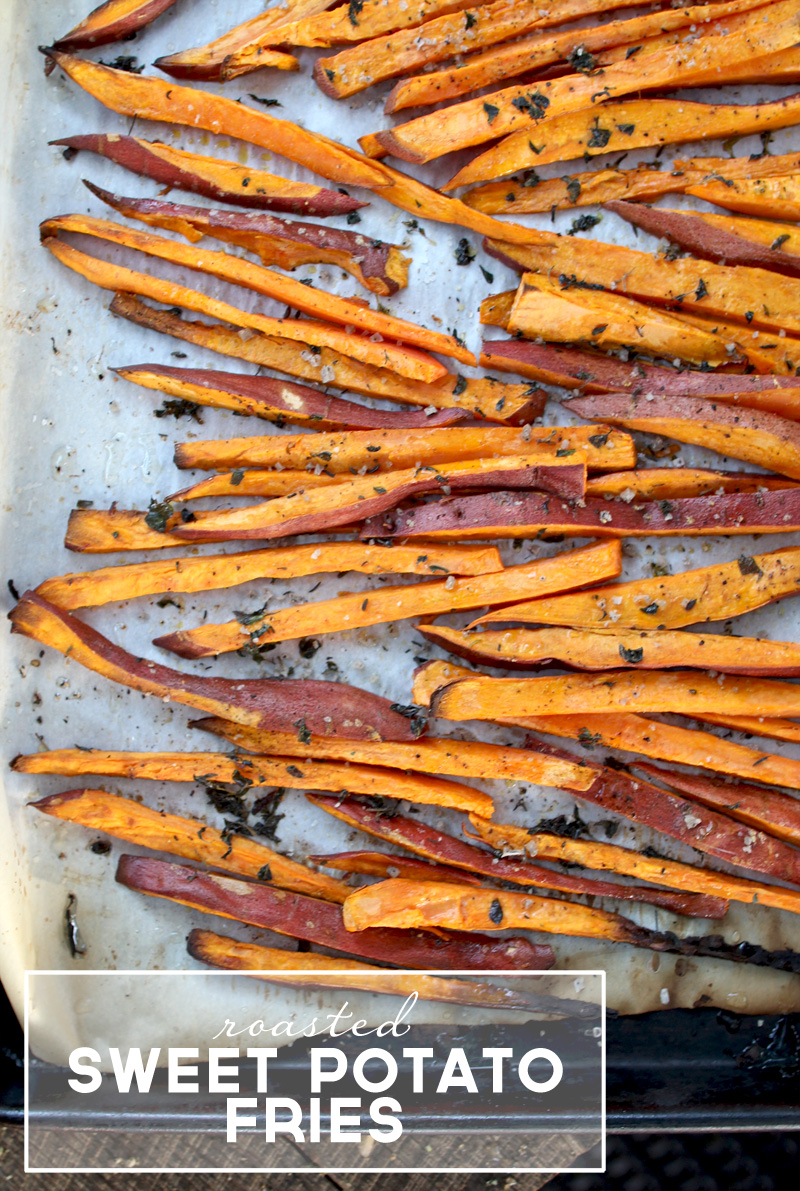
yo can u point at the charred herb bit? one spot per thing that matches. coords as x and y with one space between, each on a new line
268 103
610 827
464 252
225 797
470 19
74 941
187 515
308 646
563 452
587 739
267 808
598 440
256 652
167 602
598 330
657 569
248 618
651 853
778 244
749 315
585 223
353 217
491 112
560 825
535 148
626 129
581 60
672 252
125 62
12 588
158 515
100 847
179 408
573 189
330 73
487 276
414 713
599 137
354 10
264 873
631 655
496 912
530 179
748 565
634 49
303 732
572 282
237 476
456 336
650 609
702 290
689 605
459 386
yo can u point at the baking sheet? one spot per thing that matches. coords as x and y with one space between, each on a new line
70 430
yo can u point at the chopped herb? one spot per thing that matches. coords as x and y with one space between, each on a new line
125 62
626 129
248 618
158 515
268 103
530 179
308 646
634 49
459 386
533 148
599 440
412 712
294 771
658 569
781 240
689 605
748 565
650 609
303 733
598 330
330 73
702 290
587 739
470 20
353 217
631 655
585 223
491 112
571 282
464 252
563 452
600 136
179 408
267 808
354 10
264 873
573 189
496 912
561 825
12 588
167 602
487 276
581 60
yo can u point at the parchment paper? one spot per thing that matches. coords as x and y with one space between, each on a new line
71 431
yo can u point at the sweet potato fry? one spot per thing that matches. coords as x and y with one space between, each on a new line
379 267
110 531
279 401
524 515
771 729
157 99
312 970
254 483
713 237
384 864
671 483
205 62
213 572
620 127
311 301
485 397
605 649
388 449
698 287
128 819
765 198
766 810
666 742
224 181
433 844
116 20
713 53
616 691
320 922
258 771
716 592
529 194
626 861
754 436
325 707
405 361
561 572
321 509
456 758
563 311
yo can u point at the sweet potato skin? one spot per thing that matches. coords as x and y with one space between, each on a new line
326 708
112 21
384 864
321 922
224 181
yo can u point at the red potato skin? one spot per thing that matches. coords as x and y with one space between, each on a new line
320 922
562 479
703 240
418 837
326 708
133 155
326 411
529 514
372 254
116 29
410 865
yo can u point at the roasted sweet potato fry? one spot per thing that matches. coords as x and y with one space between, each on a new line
563 311
279 401
205 62
315 303
714 52
754 436
116 20
671 483
254 483
457 758
626 861
698 596
258 771
620 127
321 922
765 198
667 742
212 572
385 864
717 238
109 531
325 707
562 571
380 267
224 181
128 819
772 728
529 194
607 649
433 844
523 515
312 970
766 810
484 397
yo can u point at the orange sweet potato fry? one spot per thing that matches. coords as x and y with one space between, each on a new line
484 396
711 593
751 725
627 862
317 304
455 758
213 572
258 771
385 864
254 483
611 648
128 819
674 483
562 571
620 127
765 198
116 20
385 450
